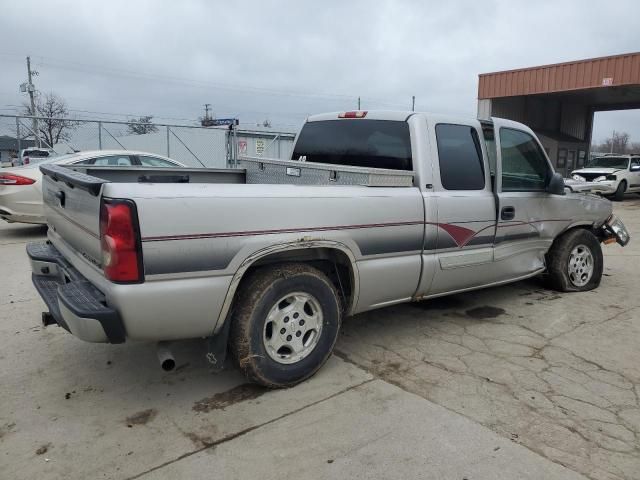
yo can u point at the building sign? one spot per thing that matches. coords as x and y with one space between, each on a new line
216 122
259 146
242 146
607 81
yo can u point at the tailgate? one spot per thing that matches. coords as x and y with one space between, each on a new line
72 207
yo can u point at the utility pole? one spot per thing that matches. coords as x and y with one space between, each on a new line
32 89
413 103
613 139
358 103
206 121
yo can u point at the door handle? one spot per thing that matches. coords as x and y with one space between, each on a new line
508 213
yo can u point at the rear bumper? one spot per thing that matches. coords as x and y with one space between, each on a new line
73 302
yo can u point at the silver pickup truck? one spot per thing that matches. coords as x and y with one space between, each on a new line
373 209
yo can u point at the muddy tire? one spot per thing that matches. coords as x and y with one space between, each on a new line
622 188
574 262
285 323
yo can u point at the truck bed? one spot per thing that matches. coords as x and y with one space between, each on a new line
255 170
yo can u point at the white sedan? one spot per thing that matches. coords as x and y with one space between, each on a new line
21 187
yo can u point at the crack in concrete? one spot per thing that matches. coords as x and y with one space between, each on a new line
231 436
563 406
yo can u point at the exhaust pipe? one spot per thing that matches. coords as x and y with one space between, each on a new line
165 357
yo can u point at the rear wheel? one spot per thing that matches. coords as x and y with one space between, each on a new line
574 263
622 188
285 324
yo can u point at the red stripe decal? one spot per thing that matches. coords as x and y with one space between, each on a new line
459 234
196 236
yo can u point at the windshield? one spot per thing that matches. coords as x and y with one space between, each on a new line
608 162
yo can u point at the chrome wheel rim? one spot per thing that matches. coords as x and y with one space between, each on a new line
293 327
580 266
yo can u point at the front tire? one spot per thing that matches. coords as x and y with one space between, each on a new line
620 191
284 324
574 262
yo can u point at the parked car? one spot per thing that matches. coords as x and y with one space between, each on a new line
32 155
21 187
374 209
609 175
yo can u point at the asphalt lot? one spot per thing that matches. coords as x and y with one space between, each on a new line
506 383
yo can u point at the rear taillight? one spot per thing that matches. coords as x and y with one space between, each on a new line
355 114
12 179
26 160
120 241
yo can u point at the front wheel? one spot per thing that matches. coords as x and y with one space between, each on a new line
285 323
620 191
574 263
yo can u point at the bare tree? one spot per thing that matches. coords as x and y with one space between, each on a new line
616 143
53 124
141 126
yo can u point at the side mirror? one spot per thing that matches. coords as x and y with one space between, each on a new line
635 168
556 185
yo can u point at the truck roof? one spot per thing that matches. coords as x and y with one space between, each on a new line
403 115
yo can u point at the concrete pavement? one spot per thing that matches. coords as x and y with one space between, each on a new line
511 382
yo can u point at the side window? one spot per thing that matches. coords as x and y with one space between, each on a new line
155 162
113 161
635 162
562 158
524 166
460 157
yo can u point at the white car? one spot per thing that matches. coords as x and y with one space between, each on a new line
21 187
608 175
32 155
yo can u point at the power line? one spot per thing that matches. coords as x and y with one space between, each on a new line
100 69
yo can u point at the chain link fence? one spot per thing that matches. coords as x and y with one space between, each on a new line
195 146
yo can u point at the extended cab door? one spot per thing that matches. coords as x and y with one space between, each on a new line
528 216
458 247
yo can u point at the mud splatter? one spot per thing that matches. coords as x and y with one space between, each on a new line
485 312
199 440
6 428
141 418
43 449
220 401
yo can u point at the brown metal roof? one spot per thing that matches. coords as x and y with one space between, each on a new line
616 70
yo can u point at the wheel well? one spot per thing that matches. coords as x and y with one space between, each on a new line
589 227
334 263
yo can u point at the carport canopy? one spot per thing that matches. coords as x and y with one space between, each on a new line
558 101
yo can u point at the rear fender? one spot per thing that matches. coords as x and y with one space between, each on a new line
282 248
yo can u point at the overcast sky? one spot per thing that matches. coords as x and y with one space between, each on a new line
285 60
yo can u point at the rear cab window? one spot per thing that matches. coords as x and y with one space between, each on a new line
460 157
356 142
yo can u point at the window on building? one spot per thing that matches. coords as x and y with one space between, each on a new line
582 155
524 166
460 155
562 158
